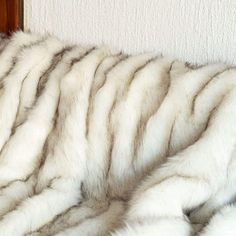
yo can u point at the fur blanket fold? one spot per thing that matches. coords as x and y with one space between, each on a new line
95 143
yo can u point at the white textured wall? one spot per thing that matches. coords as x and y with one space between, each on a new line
192 30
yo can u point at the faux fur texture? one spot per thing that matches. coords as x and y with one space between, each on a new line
97 143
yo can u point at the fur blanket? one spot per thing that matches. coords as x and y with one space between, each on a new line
96 143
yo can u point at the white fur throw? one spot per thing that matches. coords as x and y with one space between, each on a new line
94 143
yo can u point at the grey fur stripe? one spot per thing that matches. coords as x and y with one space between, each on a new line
3 44
141 128
135 76
72 61
41 84
114 105
15 57
94 93
43 79
215 76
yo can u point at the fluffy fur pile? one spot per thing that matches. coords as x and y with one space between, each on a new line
95 143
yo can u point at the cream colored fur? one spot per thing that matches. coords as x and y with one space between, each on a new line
97 143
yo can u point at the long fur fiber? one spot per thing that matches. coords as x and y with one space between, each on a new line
96 143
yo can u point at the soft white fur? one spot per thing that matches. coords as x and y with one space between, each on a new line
96 143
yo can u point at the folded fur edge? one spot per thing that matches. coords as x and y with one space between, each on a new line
222 223
163 226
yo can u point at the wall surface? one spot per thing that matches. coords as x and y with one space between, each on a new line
197 31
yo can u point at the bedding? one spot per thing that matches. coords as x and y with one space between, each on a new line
95 142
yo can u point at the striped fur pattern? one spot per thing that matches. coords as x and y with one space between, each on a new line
98 143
